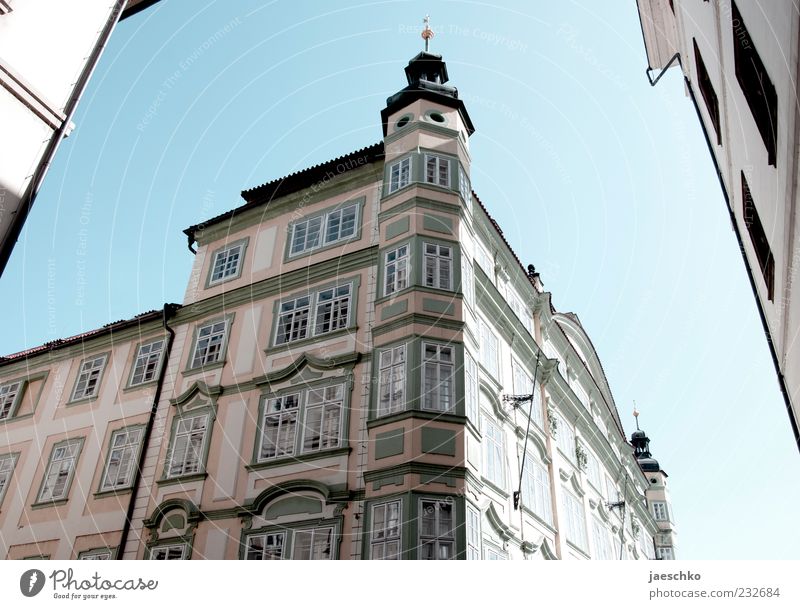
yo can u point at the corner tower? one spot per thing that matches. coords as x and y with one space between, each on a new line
656 493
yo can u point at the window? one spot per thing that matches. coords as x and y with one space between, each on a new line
756 84
473 534
210 343
436 534
437 377
520 310
396 270
565 438
322 409
293 320
602 545
7 463
340 224
268 546
399 175
438 266
280 427
536 489
188 446
495 554
593 470
392 382
313 544
386 527
88 381
484 260
102 554
306 235
660 510
437 170
124 448
758 238
665 554
148 359
464 187
323 418
467 282
59 474
574 519
471 388
493 453
707 91
490 346
227 263
172 552
331 312
325 229
8 398
333 309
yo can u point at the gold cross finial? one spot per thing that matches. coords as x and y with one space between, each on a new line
427 33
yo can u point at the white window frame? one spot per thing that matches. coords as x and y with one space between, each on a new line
464 186
338 306
403 167
9 396
339 215
313 534
536 495
600 540
331 408
311 226
147 362
294 314
272 551
392 374
99 554
440 539
287 418
63 461
494 554
123 447
565 439
7 464
494 447
473 533
400 267
438 377
665 553
441 167
89 376
467 282
437 266
471 390
389 533
213 344
227 263
575 519
489 349
184 465
167 549
660 511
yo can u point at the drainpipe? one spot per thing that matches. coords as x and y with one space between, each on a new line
169 311
10 238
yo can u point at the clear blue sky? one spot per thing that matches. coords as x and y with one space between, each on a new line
600 180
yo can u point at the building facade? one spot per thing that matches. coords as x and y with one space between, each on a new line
361 368
740 63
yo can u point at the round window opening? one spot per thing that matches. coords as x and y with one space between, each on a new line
403 122
437 117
